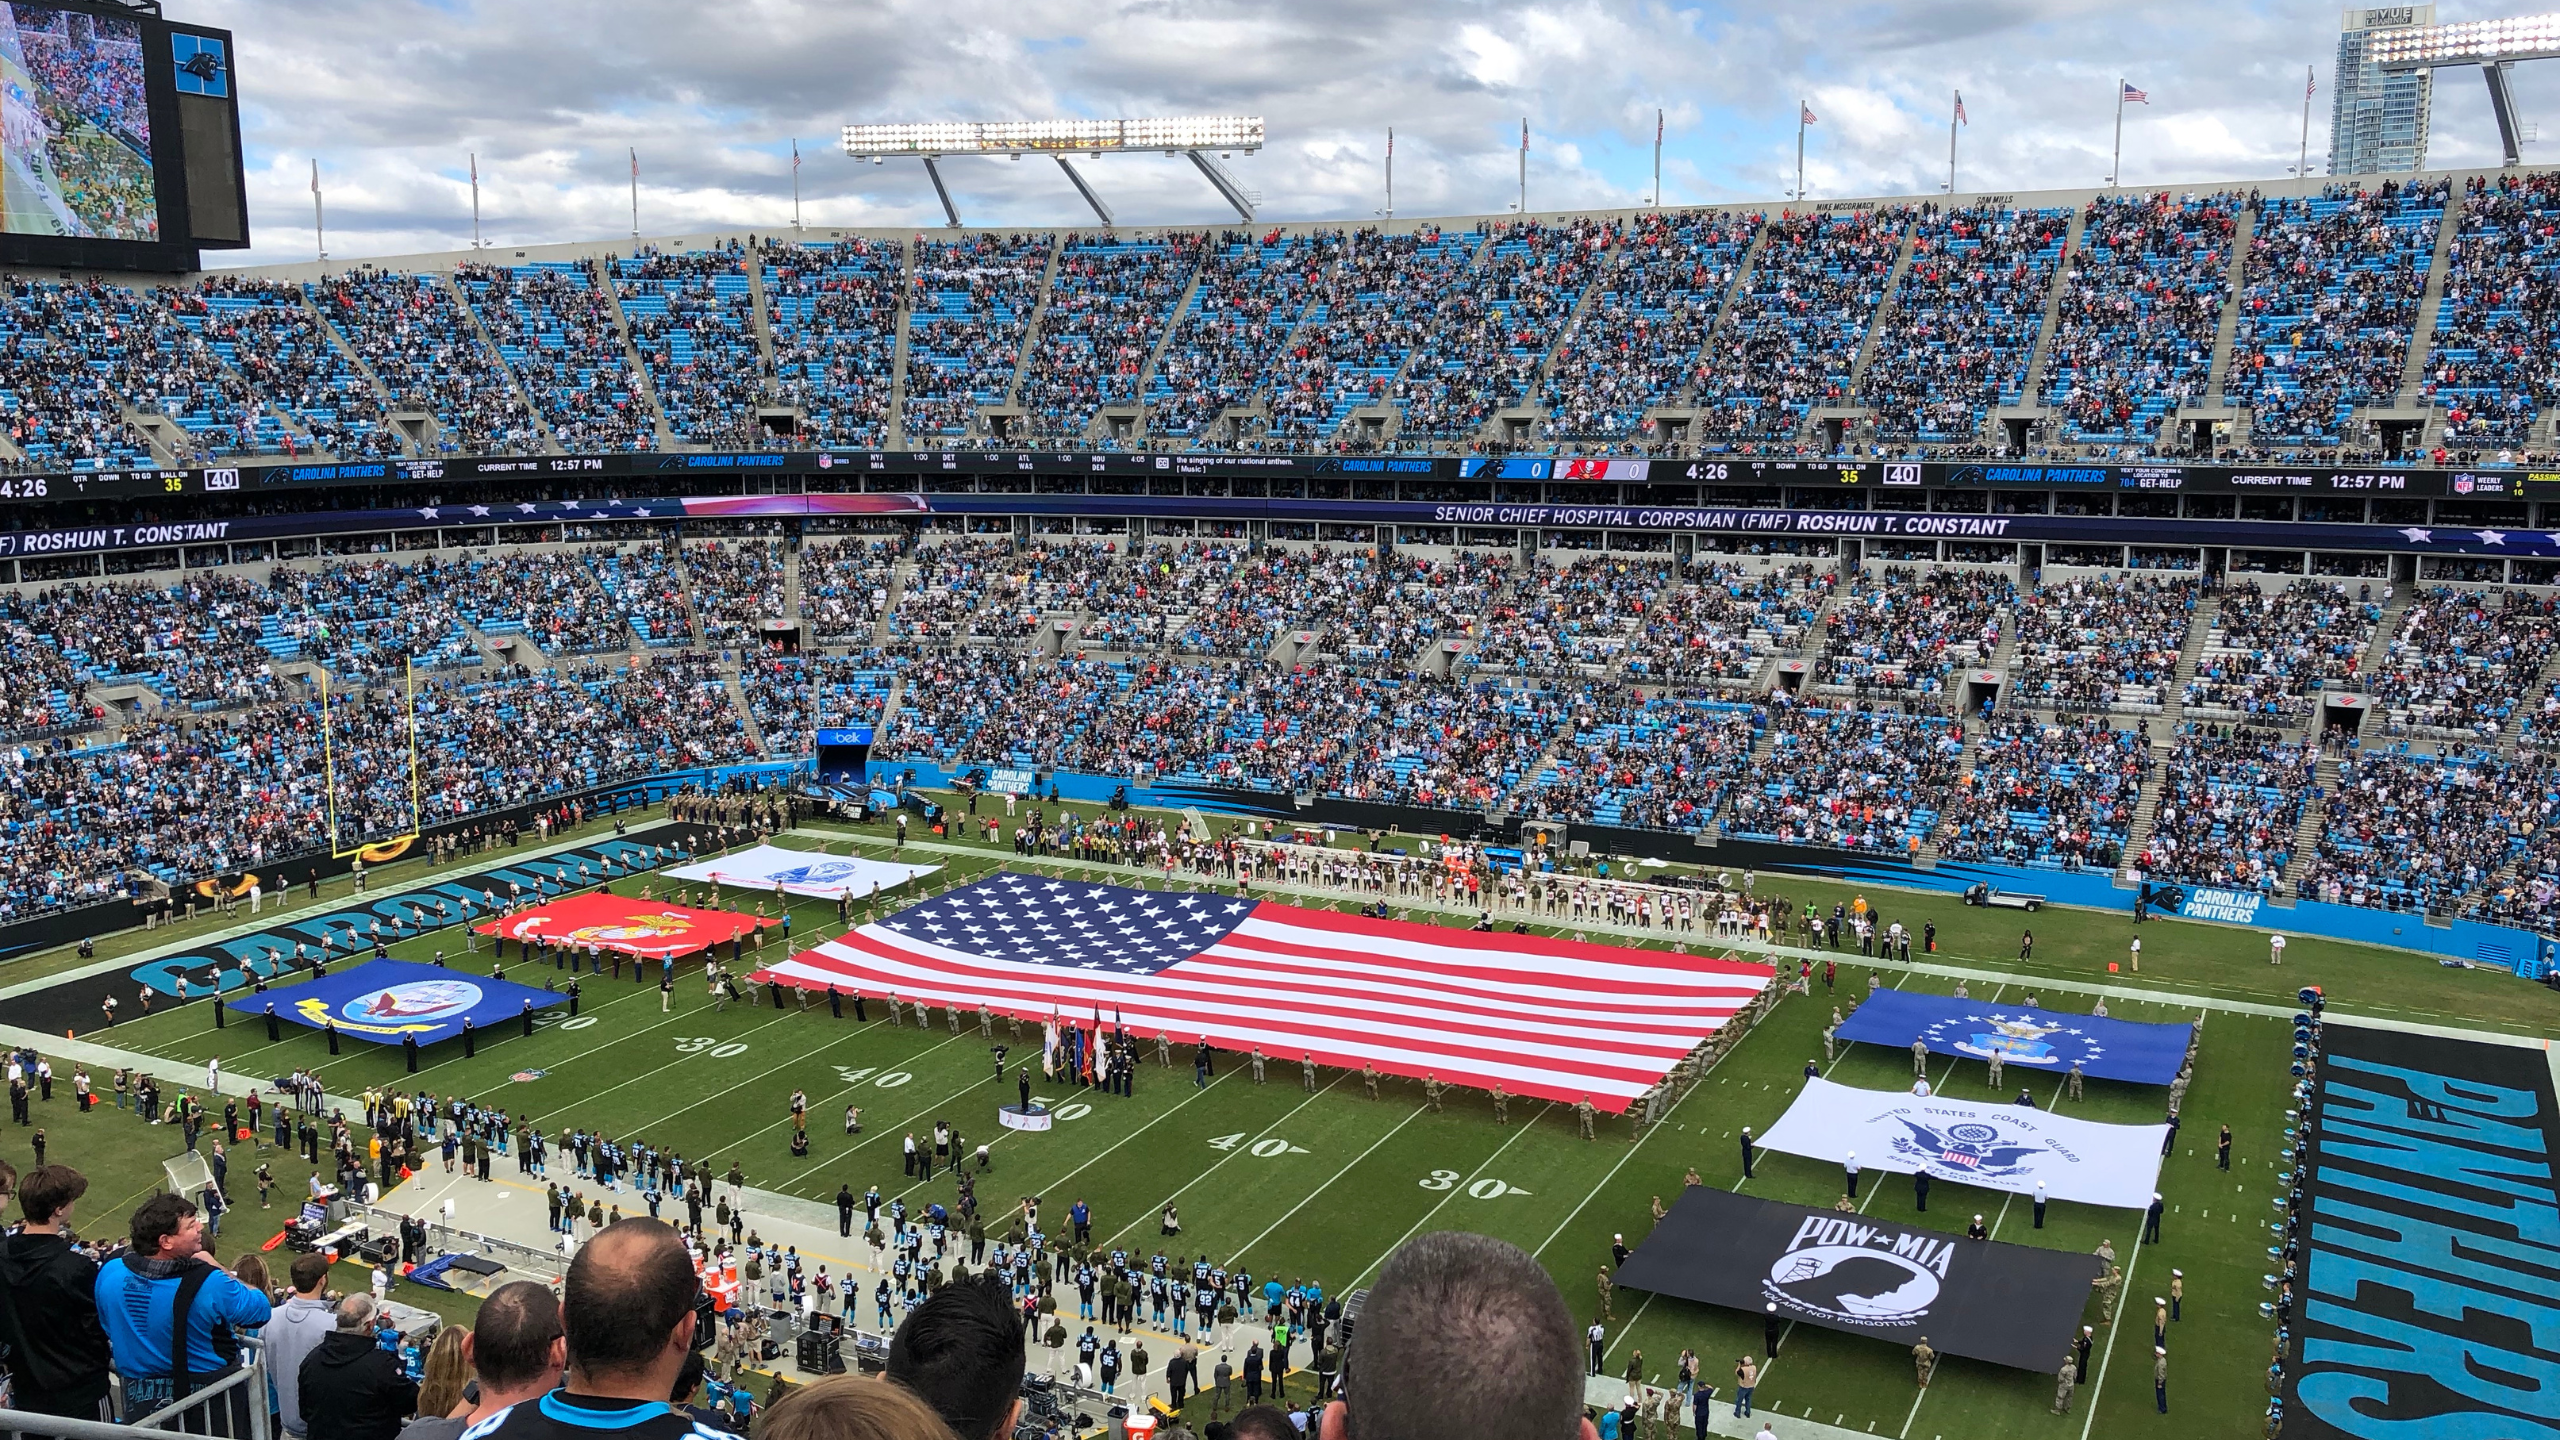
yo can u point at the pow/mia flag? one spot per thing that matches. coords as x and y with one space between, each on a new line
2015 1305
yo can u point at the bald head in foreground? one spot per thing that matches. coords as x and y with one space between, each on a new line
1463 1337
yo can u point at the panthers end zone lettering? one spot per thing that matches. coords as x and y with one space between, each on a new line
2014 1305
2430 1300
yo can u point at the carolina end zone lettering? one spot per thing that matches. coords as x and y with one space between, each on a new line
2432 1293
1780 522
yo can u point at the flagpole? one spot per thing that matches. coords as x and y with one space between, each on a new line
1524 167
795 184
1657 158
475 201
2302 168
1391 172
319 229
1951 146
1801 112
2115 171
635 192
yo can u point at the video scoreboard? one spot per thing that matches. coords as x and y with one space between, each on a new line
119 138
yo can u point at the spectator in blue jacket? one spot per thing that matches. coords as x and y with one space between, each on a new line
141 1295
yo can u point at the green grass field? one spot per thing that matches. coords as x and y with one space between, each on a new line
1327 1185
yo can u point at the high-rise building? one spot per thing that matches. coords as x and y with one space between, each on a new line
2378 119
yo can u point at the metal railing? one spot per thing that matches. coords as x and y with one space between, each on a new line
233 1406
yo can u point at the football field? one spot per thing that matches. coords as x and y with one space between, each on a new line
1291 1183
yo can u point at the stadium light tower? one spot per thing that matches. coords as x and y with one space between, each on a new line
1191 135
2493 45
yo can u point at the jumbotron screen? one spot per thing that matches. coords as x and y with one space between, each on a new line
119 138
76 157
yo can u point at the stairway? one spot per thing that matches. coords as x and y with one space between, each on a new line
894 432
2306 833
2377 654
2244 229
1884 309
356 362
2033 386
1687 396
2200 627
515 383
642 383
1173 322
2413 372
881 632
2146 812
747 716
684 592
793 609
1039 314
889 704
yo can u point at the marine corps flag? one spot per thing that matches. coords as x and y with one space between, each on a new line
648 928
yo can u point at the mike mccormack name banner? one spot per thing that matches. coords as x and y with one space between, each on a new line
2001 1147
2014 1305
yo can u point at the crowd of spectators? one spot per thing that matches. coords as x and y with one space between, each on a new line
2141 310
164 365
1148 601
1417 602
1792 327
832 312
368 620
2230 802
2490 366
60 399
2330 304
2463 660
2268 655
737 584
844 587
1229 347
1719 622
551 597
412 334
1108 303
2059 793
2408 831
1956 339
554 324
971 304
650 590
1370 310
692 318
2109 643
951 578
1493 334
89 113
793 696
268 331
1659 762
1870 780
1903 631
196 641
1638 341
1571 619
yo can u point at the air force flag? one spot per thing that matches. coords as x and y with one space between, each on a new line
387 1001
2047 1040
1999 1147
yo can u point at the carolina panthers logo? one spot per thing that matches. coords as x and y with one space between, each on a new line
1967 1147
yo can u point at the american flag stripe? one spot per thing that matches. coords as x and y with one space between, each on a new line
1547 1018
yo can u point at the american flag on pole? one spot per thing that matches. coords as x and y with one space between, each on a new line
1808 116
2133 96
1550 1018
1960 109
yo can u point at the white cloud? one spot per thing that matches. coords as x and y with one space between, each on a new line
552 93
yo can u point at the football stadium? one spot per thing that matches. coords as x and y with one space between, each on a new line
1763 817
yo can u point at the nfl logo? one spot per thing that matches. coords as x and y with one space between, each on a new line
527 1077
2462 484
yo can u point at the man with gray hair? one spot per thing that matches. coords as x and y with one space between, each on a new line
352 1388
1464 1337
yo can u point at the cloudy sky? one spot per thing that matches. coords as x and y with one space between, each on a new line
392 96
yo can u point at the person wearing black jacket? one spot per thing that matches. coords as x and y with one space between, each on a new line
51 1342
352 1388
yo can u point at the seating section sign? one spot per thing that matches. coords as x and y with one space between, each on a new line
2430 1297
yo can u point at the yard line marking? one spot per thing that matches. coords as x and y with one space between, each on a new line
1418 1112
1266 1130
1452 1193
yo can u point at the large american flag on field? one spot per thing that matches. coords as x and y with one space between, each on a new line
1550 1018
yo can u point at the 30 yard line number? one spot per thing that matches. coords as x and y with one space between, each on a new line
1486 1188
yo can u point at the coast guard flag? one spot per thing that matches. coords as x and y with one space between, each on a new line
1549 1018
2000 1147
2026 1038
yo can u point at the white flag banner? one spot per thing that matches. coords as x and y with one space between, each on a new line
1998 1146
803 872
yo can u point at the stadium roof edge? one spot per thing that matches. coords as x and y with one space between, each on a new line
447 260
